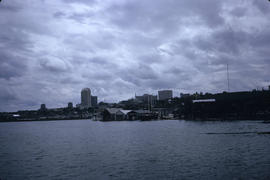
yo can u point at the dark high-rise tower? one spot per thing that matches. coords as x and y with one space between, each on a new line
86 98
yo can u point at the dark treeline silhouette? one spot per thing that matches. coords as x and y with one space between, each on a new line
48 114
235 105
245 105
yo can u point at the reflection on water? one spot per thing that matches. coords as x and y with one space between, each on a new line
83 149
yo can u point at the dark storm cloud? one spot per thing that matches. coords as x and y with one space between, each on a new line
150 58
54 65
226 41
15 45
174 71
6 95
14 39
11 66
239 12
261 39
86 2
59 14
164 15
10 7
53 49
138 75
263 6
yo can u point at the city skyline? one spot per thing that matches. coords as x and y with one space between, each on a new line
53 49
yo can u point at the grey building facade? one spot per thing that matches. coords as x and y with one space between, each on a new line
165 95
86 98
147 98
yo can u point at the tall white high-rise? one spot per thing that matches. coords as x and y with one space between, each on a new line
86 98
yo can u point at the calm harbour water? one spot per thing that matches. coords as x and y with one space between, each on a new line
85 149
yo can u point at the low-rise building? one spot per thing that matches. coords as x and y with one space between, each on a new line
109 114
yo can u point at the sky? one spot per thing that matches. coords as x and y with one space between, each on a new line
51 49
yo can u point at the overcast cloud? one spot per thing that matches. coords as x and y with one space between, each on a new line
50 50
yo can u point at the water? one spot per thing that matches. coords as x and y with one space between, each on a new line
84 149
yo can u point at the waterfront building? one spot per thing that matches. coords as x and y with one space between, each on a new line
204 100
109 114
165 94
118 114
86 98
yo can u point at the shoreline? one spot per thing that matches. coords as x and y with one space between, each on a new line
42 120
193 120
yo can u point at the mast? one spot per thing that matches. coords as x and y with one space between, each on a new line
228 79
151 102
148 102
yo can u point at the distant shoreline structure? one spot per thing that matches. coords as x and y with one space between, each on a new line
245 105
